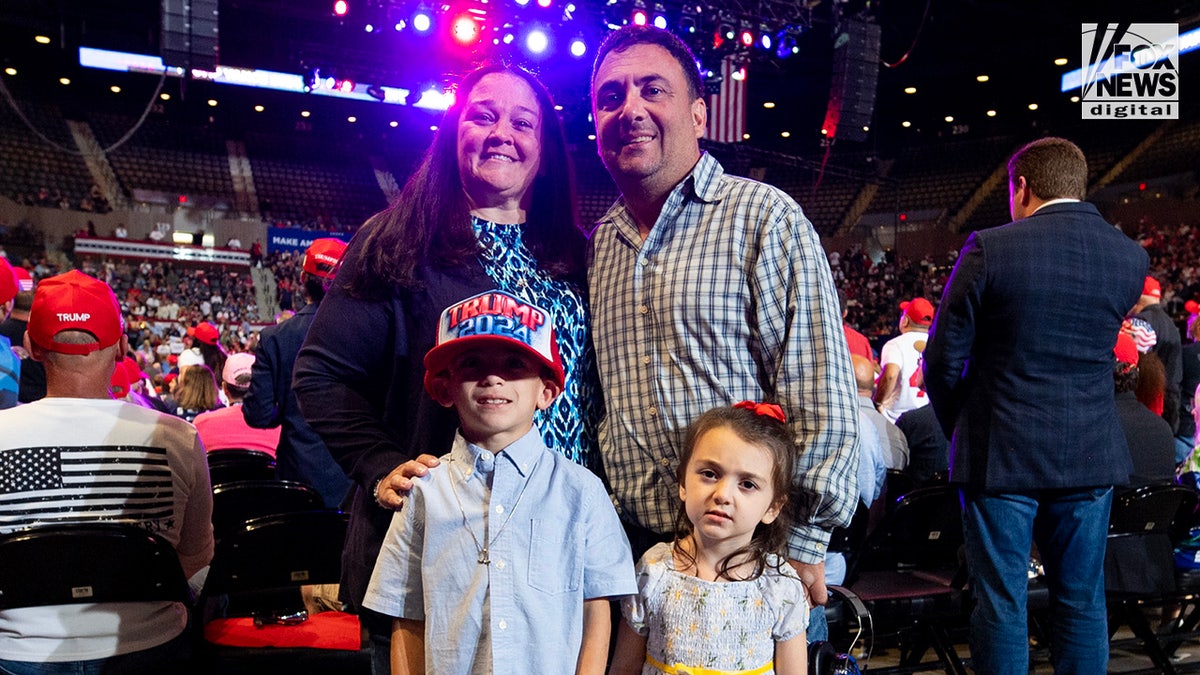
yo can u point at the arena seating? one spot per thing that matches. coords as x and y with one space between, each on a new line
28 164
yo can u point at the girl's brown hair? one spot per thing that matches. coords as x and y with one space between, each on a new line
771 435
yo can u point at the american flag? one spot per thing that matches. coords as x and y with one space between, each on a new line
49 485
727 108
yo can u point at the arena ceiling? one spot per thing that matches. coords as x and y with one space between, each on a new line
938 47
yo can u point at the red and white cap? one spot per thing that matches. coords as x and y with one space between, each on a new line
23 279
74 301
1152 288
494 317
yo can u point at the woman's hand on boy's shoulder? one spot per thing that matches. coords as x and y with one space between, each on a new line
394 487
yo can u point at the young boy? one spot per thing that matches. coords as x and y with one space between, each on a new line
503 556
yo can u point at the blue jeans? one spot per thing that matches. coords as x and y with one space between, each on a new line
1069 527
168 657
818 625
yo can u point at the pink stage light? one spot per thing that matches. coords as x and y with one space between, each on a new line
465 30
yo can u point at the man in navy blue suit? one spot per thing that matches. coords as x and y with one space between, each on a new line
270 402
1019 367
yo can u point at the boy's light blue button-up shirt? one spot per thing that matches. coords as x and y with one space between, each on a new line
522 612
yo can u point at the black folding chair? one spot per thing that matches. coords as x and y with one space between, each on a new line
1139 563
910 577
236 503
896 484
237 464
254 586
100 562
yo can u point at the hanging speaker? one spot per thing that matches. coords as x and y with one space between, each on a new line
190 33
852 86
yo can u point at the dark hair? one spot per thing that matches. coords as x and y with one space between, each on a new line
429 222
237 392
629 35
1125 377
1152 381
771 435
314 287
1053 168
214 355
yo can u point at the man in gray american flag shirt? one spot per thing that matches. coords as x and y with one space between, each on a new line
707 289
78 456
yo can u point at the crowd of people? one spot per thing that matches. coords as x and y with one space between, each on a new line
656 428
93 201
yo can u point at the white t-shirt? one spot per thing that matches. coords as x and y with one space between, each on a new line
59 452
905 351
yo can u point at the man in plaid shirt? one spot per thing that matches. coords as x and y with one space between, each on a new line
707 289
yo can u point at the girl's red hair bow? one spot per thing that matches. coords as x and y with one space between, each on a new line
765 409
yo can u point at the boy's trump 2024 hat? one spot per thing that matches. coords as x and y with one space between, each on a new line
495 317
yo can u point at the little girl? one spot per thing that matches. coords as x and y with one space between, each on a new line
721 599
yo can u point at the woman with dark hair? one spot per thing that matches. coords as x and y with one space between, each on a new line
206 338
491 206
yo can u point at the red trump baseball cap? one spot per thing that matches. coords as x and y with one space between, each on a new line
74 301
323 256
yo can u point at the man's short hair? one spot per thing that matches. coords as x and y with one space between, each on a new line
1053 168
238 391
23 302
630 35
